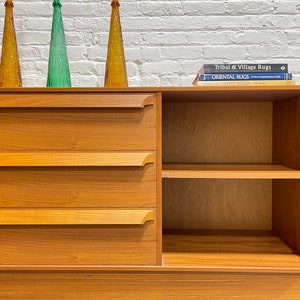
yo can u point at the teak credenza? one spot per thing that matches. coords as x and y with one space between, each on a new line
150 193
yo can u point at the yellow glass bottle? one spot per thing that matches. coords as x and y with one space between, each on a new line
10 72
115 74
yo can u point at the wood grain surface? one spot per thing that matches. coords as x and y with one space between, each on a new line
78 187
230 127
147 285
75 216
74 129
89 100
286 150
78 245
76 159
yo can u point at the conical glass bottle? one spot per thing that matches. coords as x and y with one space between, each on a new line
10 72
58 65
115 74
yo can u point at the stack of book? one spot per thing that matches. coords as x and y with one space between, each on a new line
243 75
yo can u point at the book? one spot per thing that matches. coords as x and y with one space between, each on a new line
243 68
244 83
245 76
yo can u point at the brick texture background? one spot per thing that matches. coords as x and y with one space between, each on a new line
165 42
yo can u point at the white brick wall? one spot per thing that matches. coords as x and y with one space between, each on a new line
165 42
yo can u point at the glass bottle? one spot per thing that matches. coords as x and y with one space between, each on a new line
115 74
10 72
58 65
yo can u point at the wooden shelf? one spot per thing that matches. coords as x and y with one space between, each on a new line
260 251
229 171
72 159
75 217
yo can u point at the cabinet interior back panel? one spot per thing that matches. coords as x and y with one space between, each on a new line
231 204
217 132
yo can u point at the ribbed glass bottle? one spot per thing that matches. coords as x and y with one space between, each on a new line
10 72
115 74
58 65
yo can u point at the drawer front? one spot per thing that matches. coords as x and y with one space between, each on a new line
78 179
78 186
68 128
78 245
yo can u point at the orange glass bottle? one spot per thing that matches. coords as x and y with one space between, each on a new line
115 74
10 72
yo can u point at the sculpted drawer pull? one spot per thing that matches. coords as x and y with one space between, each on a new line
78 100
76 159
75 217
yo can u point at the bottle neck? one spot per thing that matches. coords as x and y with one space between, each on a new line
56 3
9 3
115 3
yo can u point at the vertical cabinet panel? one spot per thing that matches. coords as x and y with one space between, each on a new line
286 151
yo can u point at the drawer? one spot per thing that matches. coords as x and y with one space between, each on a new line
79 122
78 179
36 237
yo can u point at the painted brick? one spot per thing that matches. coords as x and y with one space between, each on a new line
165 42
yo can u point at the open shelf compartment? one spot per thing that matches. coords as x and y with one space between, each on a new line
231 185
258 251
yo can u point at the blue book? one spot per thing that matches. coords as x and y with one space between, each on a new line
245 76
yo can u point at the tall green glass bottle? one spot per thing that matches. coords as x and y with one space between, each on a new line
58 65
10 72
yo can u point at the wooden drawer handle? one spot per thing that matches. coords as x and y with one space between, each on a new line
76 159
78 100
75 217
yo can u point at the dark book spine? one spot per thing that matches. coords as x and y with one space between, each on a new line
246 76
243 68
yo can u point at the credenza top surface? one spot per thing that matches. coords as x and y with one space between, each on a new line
150 89
174 94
